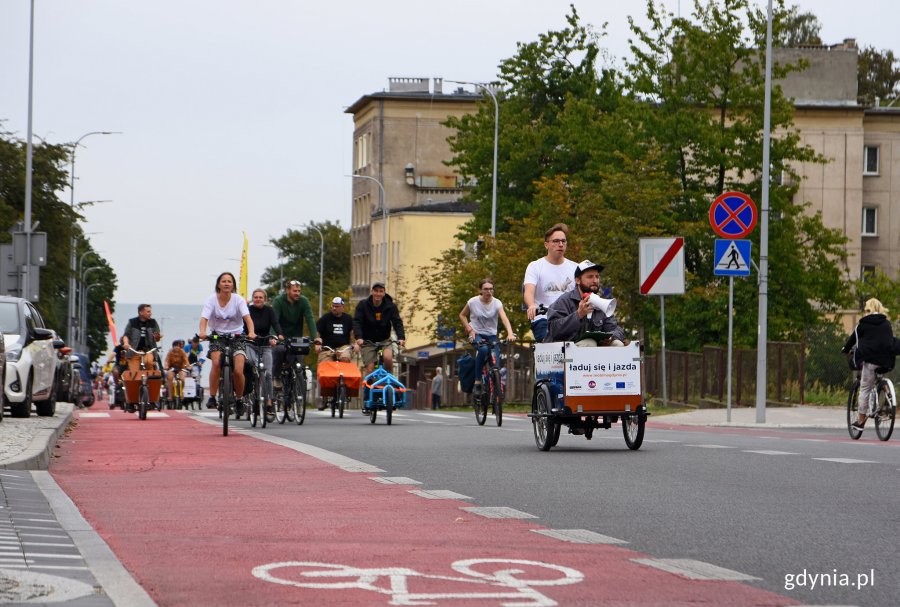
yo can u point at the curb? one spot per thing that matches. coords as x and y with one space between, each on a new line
38 454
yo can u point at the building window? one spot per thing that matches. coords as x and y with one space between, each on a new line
868 273
870 221
870 160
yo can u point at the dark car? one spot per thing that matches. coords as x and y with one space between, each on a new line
85 396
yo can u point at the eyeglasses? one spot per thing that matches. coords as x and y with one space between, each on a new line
487 288
295 282
559 241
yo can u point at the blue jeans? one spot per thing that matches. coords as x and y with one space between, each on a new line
483 351
540 328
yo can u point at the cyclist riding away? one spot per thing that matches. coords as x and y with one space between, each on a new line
874 341
176 359
226 312
547 278
291 309
372 322
572 316
479 318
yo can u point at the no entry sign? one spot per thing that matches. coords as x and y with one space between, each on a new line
662 266
732 215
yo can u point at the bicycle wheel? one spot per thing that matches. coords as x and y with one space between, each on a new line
633 429
389 405
333 403
853 411
256 405
886 409
143 402
299 400
373 412
543 426
178 388
227 396
497 396
479 401
341 398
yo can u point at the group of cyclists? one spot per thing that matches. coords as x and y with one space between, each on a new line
338 336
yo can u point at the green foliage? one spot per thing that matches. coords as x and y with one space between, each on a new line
826 367
797 29
299 252
878 76
60 222
643 154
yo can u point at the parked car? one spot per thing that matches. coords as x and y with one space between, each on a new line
64 377
30 359
85 391
2 376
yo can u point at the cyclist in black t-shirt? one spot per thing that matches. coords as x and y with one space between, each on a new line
334 329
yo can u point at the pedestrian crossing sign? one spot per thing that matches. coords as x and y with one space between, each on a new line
732 258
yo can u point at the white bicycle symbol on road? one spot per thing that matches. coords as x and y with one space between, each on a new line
505 579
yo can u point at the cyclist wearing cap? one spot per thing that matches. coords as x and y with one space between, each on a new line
547 278
334 329
291 309
572 315
176 358
372 322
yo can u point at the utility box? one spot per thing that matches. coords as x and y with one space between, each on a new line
38 248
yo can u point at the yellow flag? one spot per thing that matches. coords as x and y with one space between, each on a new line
243 279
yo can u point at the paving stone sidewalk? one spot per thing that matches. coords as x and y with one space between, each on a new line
28 443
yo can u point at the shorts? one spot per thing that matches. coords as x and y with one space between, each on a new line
343 354
369 352
237 350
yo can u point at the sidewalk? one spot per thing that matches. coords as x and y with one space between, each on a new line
775 417
28 443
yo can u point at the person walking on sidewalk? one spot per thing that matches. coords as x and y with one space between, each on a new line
437 383
874 341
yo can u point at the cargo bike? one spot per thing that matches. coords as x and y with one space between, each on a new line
338 382
142 384
587 388
382 390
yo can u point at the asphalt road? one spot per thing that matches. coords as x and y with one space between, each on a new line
781 506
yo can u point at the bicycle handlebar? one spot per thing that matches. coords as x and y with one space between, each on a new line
145 352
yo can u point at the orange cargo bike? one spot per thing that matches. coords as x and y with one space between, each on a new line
338 381
142 385
586 388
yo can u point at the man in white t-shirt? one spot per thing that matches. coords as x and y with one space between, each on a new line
548 277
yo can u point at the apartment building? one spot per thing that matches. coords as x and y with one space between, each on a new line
405 199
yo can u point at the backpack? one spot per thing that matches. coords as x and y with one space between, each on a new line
465 369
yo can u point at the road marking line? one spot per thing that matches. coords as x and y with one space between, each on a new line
845 460
55 567
815 440
711 446
579 536
695 570
764 452
329 457
69 545
394 480
156 414
444 415
52 556
439 494
497 512
89 414
660 440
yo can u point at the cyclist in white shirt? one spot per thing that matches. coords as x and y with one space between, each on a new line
226 312
479 317
547 278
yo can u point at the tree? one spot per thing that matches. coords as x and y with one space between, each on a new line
797 29
878 76
299 252
546 88
60 222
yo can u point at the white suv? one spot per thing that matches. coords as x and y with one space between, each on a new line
30 359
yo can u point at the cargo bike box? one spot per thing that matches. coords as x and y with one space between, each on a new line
132 381
586 388
329 373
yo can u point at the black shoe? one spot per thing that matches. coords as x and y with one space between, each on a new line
239 408
129 408
211 403
321 407
859 426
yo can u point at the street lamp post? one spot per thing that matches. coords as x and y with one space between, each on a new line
280 265
82 334
73 268
384 221
85 292
488 90
75 303
321 262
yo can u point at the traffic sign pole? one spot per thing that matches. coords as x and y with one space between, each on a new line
730 341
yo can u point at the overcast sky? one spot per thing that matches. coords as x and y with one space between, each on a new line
232 111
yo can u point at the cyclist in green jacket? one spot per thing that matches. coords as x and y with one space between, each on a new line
291 309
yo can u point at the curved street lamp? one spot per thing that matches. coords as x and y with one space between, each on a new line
321 261
488 90
82 334
74 269
384 221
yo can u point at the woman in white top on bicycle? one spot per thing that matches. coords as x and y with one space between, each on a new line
225 312
479 317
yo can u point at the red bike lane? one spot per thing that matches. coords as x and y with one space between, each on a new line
202 519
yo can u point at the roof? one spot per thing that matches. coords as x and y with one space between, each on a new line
456 96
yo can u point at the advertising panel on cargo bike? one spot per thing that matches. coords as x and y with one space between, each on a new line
586 388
